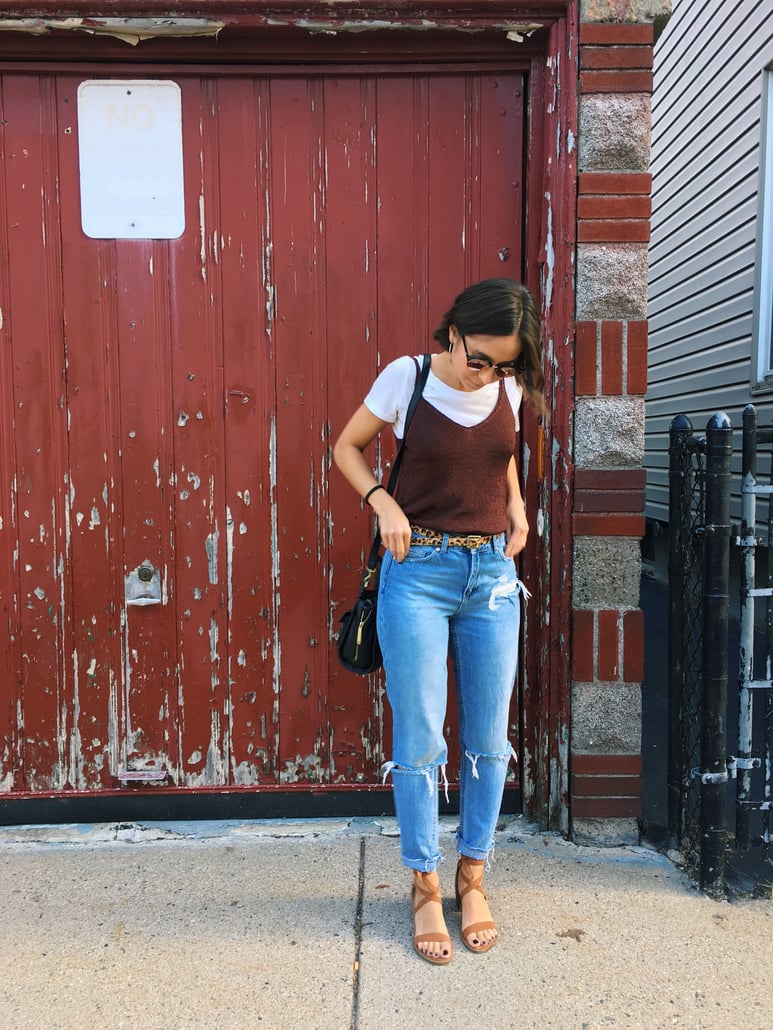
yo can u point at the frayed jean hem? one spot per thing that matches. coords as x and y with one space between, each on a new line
427 865
476 854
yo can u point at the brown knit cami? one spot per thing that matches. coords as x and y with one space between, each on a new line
454 478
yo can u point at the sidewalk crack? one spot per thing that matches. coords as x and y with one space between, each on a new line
358 939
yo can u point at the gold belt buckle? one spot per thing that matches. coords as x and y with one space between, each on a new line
474 540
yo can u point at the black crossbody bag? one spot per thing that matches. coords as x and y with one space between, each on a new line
358 646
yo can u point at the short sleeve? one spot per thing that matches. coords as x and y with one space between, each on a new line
390 395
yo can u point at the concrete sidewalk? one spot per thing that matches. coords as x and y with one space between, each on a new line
291 926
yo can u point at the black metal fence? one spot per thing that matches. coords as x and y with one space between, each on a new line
704 765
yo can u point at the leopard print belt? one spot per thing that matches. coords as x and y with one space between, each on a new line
431 537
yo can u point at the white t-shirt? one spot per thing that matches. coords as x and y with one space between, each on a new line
390 395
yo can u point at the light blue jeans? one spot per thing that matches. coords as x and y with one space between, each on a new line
468 601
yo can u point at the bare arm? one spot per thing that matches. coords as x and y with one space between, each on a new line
517 524
361 429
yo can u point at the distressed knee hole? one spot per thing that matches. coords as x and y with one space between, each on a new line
500 756
426 771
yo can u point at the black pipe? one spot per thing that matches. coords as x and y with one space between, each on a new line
746 657
716 581
680 432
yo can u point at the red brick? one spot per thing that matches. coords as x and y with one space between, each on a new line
633 646
615 82
616 57
608 646
606 786
583 648
606 808
587 764
612 358
607 525
610 230
609 500
615 34
627 206
615 183
612 331
585 358
636 382
610 479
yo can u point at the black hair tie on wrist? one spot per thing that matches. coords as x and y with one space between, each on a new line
378 486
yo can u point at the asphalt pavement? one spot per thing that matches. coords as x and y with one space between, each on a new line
297 925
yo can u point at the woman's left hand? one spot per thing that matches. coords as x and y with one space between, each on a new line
517 529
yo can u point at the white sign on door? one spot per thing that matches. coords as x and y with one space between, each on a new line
131 159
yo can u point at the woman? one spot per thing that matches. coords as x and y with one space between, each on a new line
448 578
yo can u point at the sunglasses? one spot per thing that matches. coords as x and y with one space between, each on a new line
503 370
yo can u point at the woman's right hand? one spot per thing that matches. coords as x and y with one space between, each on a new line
392 523
359 431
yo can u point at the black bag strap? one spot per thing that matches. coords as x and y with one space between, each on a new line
421 379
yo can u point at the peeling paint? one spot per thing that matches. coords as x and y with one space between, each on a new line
300 770
550 254
203 234
229 560
113 729
214 656
214 772
245 774
75 774
128 30
275 572
211 545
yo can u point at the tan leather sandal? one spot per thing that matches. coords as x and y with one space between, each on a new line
472 883
429 894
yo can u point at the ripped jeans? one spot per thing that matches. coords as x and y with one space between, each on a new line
468 600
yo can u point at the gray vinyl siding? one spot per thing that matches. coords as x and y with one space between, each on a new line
706 112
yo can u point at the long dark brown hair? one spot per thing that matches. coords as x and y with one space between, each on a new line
501 307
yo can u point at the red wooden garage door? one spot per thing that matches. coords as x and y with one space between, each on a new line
169 406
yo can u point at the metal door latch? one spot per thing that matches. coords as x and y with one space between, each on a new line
709 777
143 586
734 764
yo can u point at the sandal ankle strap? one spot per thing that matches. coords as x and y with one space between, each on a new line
472 883
427 894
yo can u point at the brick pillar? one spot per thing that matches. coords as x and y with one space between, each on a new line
610 382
